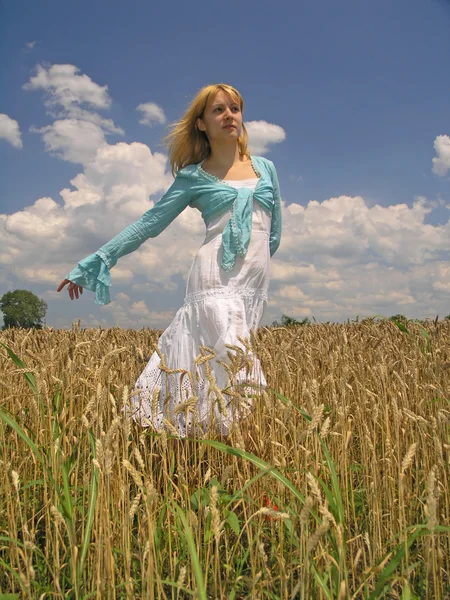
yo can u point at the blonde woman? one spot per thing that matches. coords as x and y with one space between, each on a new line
238 196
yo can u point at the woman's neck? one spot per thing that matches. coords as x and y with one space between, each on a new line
223 159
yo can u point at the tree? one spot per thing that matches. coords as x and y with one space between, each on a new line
21 308
286 321
399 317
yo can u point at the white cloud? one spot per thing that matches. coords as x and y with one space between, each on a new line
261 134
80 114
345 228
10 131
118 175
37 274
136 314
72 140
338 258
441 162
38 223
151 114
65 87
77 132
31 45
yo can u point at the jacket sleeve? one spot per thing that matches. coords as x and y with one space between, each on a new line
275 228
93 272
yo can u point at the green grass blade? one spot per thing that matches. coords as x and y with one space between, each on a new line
233 521
334 482
392 565
239 569
91 507
406 594
198 574
328 495
321 582
31 380
422 530
6 538
8 420
238 494
13 573
34 483
401 326
66 491
259 462
178 587
424 334
290 403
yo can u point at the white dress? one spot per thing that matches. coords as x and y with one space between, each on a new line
219 307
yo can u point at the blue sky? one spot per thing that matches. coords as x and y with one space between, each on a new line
346 98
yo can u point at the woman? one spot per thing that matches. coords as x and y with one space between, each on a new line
226 292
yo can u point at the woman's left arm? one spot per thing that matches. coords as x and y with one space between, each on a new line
275 229
93 271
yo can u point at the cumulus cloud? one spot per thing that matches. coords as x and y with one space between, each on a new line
261 134
151 114
64 87
72 140
31 45
338 258
37 223
132 314
72 99
441 162
341 257
345 228
81 114
10 131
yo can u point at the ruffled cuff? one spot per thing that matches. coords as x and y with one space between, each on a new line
93 274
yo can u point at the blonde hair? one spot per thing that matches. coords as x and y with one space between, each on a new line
186 143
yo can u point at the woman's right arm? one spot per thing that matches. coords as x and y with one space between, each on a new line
93 272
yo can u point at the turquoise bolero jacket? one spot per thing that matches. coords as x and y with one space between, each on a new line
191 187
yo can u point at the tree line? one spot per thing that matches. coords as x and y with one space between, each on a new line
22 308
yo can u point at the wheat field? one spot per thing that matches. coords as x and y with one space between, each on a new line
335 487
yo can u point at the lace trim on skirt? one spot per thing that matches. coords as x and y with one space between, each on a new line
169 401
227 292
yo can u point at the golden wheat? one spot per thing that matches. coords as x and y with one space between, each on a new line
377 397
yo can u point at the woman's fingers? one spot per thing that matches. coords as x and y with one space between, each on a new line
62 284
74 289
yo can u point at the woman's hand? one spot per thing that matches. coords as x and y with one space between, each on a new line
73 288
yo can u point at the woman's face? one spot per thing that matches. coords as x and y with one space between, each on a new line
221 111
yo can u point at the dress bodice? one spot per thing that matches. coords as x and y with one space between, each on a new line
261 218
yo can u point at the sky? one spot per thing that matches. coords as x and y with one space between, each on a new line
349 99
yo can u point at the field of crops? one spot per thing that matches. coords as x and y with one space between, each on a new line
336 487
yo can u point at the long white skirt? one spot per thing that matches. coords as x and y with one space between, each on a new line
219 307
